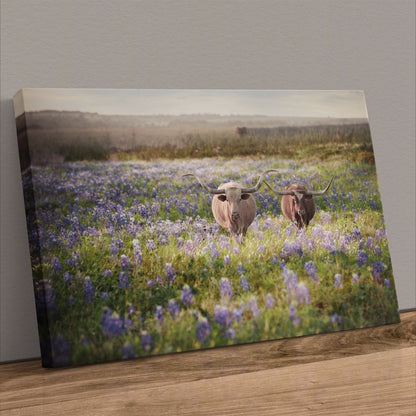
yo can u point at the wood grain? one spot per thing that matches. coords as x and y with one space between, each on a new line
365 372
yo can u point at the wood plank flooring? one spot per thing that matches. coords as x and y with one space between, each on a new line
362 372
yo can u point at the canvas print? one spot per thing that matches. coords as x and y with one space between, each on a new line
163 221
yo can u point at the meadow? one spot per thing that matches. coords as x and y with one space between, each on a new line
128 260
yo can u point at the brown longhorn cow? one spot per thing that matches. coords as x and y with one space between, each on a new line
233 205
297 203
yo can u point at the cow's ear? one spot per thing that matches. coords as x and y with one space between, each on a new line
245 196
222 198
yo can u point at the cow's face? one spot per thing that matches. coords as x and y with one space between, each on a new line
233 197
299 203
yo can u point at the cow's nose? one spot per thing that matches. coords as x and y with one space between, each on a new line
302 212
235 215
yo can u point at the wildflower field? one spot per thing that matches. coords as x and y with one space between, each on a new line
128 260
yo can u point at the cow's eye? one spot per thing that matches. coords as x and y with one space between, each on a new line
222 198
245 196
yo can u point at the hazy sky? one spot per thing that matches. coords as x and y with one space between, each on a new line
307 103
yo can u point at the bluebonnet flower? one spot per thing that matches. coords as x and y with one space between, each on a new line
203 330
173 308
317 232
137 252
270 301
127 351
240 268
115 245
159 314
107 273
222 315
68 278
355 278
104 296
362 258
230 333
237 315
380 235
311 271
338 283
111 323
187 298
124 262
387 283
56 266
226 290
146 342
275 259
378 268
370 243
245 287
61 351
123 281
170 274
378 251
356 234
252 306
336 319
151 245
89 291
326 218
151 283
227 260
262 249
293 314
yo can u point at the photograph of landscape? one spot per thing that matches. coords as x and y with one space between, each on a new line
163 221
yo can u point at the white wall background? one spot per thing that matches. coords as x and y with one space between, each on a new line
287 44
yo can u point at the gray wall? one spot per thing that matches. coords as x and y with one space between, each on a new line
292 44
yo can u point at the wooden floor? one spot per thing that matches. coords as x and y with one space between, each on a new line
362 372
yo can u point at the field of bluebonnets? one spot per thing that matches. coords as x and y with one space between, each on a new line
132 262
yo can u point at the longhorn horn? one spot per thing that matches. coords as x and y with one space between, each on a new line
320 192
278 192
256 187
205 186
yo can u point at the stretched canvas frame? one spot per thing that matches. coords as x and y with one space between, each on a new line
130 256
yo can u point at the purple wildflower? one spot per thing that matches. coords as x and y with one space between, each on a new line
245 287
370 243
127 351
137 252
387 283
151 245
230 333
226 290
159 314
104 296
203 330
150 283
107 273
355 278
270 301
362 258
338 283
187 298
173 308
56 266
378 268
336 319
170 274
146 342
68 278
240 268
252 306
89 291
222 315
111 323
311 271
237 315
123 281
356 234
124 262
293 314
227 260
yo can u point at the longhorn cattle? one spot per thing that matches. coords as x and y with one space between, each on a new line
241 131
297 203
233 205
